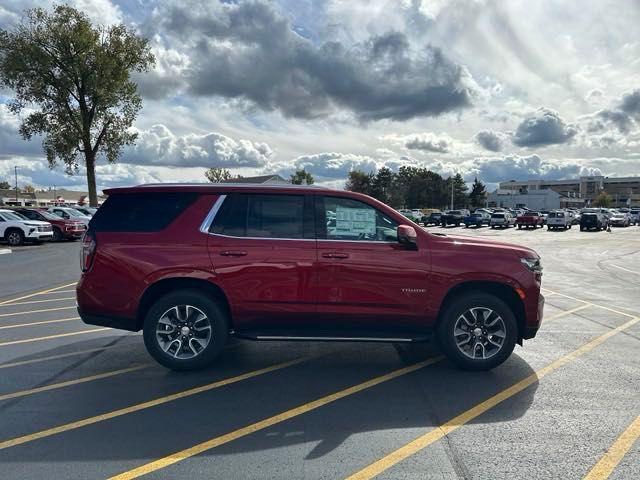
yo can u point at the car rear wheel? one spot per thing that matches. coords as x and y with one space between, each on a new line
14 237
477 331
57 235
185 330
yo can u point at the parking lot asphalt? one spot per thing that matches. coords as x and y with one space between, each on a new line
85 402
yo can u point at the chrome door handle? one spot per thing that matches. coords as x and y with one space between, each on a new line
233 253
335 255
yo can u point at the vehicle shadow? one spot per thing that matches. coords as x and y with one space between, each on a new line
421 400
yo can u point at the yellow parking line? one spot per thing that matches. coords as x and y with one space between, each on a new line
39 323
36 311
77 381
141 406
565 313
55 357
59 291
270 421
616 452
41 292
37 301
445 429
49 337
609 309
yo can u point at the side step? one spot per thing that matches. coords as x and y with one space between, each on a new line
333 336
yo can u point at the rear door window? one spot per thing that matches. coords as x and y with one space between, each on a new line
140 212
265 216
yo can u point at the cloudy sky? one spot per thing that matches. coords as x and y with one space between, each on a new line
495 89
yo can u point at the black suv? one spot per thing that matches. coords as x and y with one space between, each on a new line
593 220
453 217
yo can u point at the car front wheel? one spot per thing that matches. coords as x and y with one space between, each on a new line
14 237
185 330
477 331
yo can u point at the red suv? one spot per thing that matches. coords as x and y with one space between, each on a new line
62 228
193 264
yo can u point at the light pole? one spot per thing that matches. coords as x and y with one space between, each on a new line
15 169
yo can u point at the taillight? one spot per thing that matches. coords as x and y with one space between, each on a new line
87 251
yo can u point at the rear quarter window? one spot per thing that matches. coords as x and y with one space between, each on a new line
140 212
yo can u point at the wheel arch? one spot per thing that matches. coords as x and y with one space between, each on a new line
503 291
162 287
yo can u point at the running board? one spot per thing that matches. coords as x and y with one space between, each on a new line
281 336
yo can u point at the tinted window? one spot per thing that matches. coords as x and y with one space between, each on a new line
140 212
30 214
262 216
346 219
497 215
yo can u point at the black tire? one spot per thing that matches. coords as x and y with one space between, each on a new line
519 227
582 229
453 312
14 237
57 235
215 316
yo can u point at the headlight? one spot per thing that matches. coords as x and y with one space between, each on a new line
532 264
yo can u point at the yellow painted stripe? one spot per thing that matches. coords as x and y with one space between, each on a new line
565 313
141 406
49 337
609 309
36 311
445 429
39 323
55 357
77 381
37 301
268 422
41 292
618 450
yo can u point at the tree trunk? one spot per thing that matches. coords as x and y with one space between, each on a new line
90 160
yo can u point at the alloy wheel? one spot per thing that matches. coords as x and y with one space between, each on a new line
14 239
183 332
479 333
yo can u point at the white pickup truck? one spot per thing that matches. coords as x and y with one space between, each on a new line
16 229
559 219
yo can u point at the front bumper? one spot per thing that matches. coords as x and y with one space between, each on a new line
530 331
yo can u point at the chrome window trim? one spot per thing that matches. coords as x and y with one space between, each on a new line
208 220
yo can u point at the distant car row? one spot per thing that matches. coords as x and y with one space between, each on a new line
587 218
31 224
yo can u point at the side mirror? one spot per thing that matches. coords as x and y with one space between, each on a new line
407 236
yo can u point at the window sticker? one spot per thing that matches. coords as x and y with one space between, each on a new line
355 221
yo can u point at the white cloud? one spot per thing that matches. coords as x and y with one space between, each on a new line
161 147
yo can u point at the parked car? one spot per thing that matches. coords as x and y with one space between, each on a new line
88 211
558 219
434 218
502 220
189 292
619 219
62 228
69 213
16 229
634 216
530 219
593 220
453 217
477 219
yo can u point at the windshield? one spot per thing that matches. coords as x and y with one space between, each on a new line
13 216
48 215
73 212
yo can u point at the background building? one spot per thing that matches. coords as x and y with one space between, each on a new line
624 191
535 200
45 198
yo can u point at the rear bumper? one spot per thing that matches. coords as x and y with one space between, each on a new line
129 324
